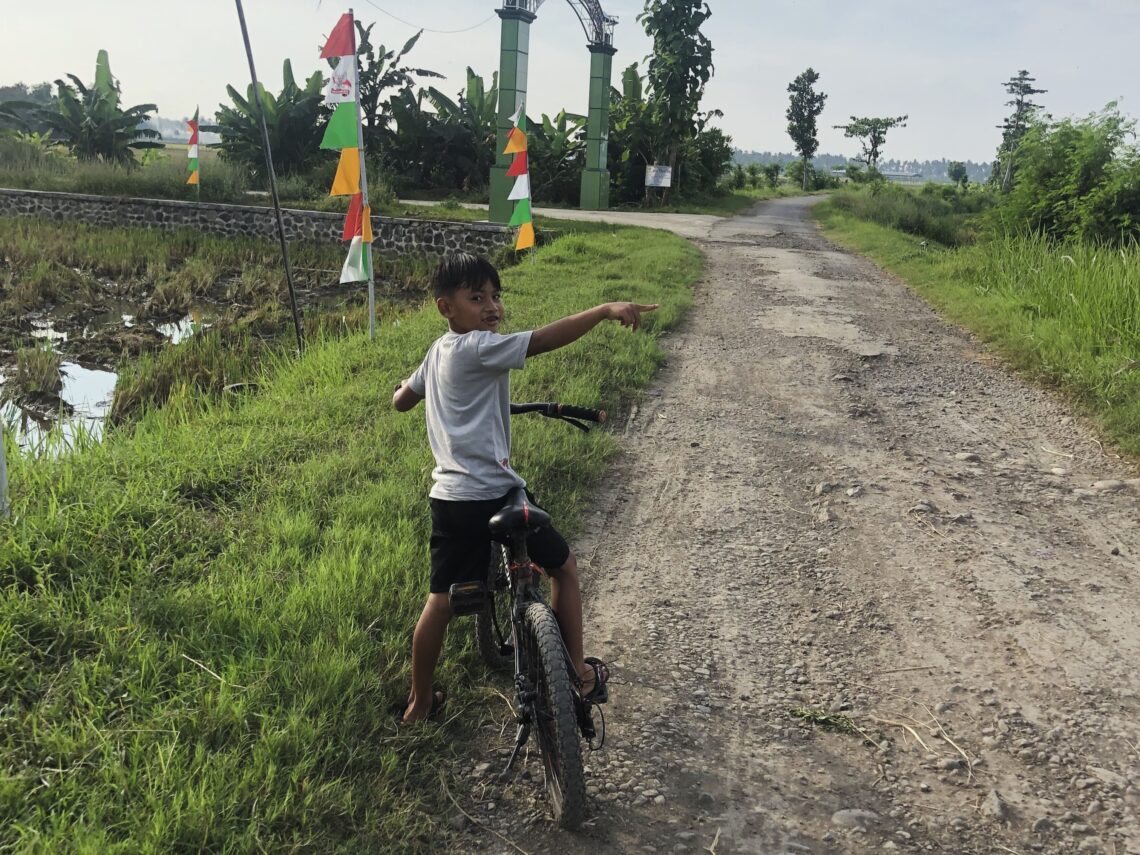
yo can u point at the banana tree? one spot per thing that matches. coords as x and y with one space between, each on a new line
557 152
380 70
631 139
91 123
293 119
466 131
411 153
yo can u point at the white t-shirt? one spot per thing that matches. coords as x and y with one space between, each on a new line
465 382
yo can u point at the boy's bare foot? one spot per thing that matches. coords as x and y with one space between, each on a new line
414 711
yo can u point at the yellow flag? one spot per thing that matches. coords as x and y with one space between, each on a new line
366 224
516 142
526 237
347 180
193 179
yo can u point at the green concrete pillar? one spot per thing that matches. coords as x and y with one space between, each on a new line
514 56
596 176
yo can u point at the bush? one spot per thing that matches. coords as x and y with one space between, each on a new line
816 180
940 213
1076 180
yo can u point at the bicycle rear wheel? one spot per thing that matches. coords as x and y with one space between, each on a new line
493 624
555 719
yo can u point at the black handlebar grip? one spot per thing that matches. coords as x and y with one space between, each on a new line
583 413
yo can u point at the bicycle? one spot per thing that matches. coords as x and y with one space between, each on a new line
516 628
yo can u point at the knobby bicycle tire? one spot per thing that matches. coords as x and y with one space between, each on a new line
493 624
556 721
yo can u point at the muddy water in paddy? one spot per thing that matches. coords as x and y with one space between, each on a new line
93 341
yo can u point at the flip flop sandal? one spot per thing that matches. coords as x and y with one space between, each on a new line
600 694
438 701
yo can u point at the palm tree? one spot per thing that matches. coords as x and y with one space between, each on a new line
90 122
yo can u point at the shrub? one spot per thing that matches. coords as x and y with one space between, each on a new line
938 212
1076 180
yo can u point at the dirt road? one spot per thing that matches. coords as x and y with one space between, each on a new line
836 512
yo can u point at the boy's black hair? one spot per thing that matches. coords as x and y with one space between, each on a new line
463 270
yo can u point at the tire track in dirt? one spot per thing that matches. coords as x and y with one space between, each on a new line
833 509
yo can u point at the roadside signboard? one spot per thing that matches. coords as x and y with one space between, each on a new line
657 175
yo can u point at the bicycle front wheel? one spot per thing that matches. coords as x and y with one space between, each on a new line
493 623
555 719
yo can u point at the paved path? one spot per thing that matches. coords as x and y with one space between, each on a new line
686 225
864 591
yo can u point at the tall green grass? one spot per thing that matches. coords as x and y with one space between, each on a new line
203 620
938 212
30 167
1066 314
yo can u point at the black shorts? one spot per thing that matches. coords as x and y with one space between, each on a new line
461 542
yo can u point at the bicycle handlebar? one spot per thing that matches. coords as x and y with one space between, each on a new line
560 411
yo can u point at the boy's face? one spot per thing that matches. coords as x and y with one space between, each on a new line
471 309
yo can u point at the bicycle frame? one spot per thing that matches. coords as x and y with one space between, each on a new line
520 570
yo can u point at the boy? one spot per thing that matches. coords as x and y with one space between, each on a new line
464 379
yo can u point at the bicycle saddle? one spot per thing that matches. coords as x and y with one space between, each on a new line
518 513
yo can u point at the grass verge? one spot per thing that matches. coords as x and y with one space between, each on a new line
204 619
1068 316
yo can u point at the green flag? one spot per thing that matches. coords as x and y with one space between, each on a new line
521 214
341 130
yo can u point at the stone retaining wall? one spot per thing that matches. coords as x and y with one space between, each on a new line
393 236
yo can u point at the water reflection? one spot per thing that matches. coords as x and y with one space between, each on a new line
88 391
178 330
46 331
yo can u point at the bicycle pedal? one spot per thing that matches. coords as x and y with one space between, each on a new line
468 598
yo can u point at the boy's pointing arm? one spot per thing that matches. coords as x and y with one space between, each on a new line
566 330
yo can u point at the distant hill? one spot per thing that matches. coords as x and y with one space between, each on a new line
931 170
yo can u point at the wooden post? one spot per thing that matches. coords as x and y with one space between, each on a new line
272 178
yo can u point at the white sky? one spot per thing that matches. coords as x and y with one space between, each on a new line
940 61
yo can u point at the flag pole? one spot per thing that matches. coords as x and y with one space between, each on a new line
198 186
5 506
364 185
272 178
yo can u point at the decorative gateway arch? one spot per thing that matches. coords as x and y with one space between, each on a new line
517 16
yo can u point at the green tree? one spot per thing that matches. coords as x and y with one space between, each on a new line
804 107
39 93
680 65
631 136
380 72
755 176
957 173
872 134
772 173
464 133
1078 179
91 123
738 178
292 118
21 106
556 154
1014 127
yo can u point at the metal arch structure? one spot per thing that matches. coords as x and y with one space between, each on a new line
514 61
598 26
